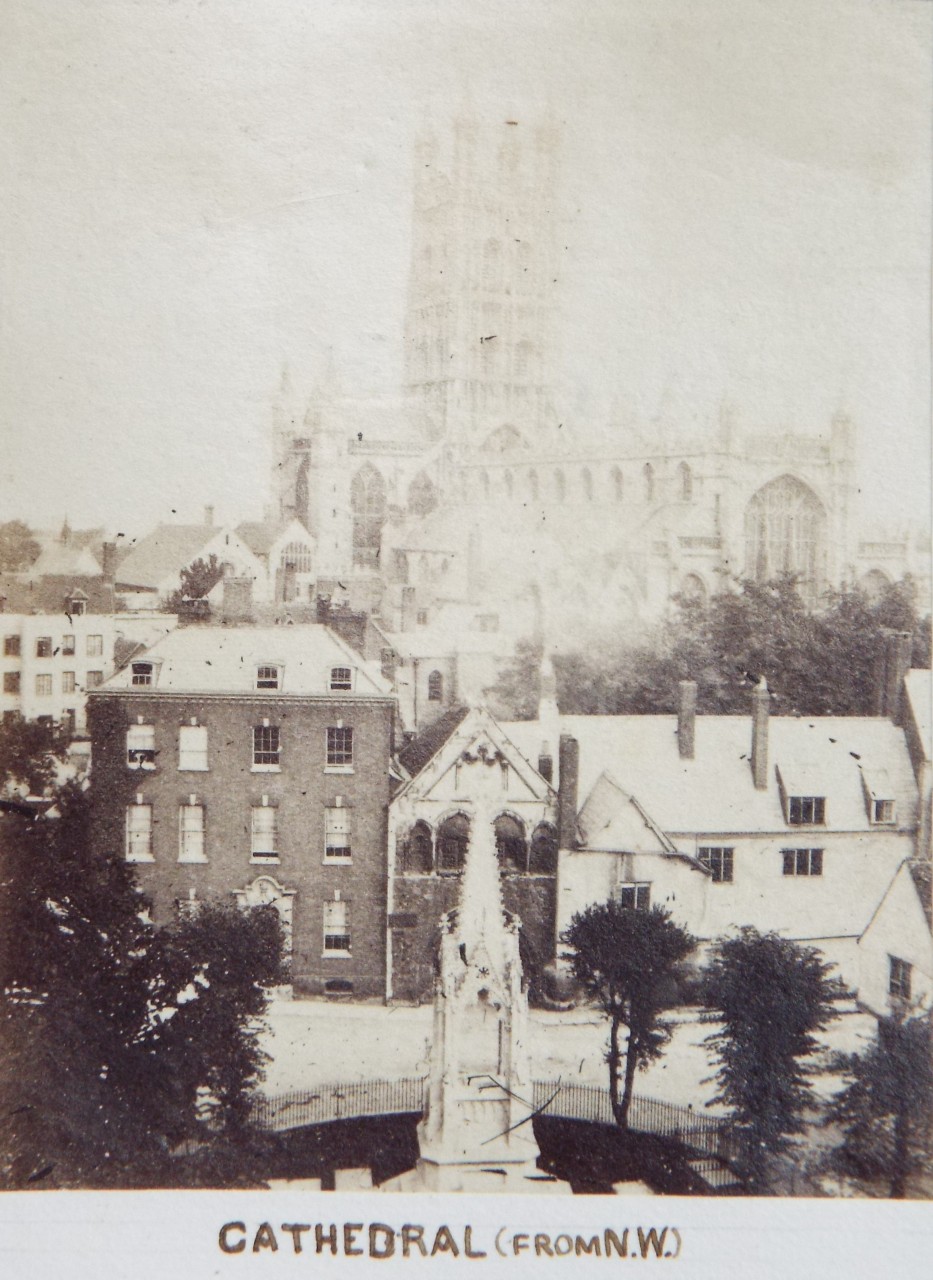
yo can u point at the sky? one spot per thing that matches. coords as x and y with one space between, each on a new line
197 191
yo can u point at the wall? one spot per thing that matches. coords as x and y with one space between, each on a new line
230 787
899 929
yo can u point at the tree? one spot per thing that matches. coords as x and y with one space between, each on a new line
197 580
770 997
116 1032
18 548
886 1108
626 960
32 756
817 661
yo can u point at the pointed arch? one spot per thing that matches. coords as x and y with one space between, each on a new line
435 687
422 495
511 845
368 506
542 859
785 530
453 839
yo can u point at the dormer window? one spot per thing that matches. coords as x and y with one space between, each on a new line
341 679
879 797
76 606
268 677
141 673
806 811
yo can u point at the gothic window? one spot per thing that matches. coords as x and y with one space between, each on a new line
522 361
368 503
617 484
685 482
419 850
533 485
648 473
435 687
297 556
560 486
491 256
784 532
543 858
422 496
586 479
453 838
510 843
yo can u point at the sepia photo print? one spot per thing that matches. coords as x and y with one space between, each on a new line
465 590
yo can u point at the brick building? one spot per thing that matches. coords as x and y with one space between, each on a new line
252 764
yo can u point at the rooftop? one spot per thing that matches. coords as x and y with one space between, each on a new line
203 660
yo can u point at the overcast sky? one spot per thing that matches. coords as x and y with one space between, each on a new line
197 190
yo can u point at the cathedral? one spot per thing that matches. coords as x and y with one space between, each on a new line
473 486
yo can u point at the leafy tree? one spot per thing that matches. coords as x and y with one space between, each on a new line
32 756
817 661
197 579
886 1107
115 1031
626 960
18 548
770 997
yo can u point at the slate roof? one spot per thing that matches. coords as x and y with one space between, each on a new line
259 535
50 593
421 749
714 792
167 550
224 660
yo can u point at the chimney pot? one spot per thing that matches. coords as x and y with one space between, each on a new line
686 719
761 707
109 561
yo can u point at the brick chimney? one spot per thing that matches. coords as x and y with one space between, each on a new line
567 787
237 601
686 718
761 706
891 667
109 561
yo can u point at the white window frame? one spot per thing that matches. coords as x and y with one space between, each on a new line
336 935
192 829
264 831
269 676
340 680
139 833
799 863
95 646
140 746
338 755
142 674
900 978
805 805
44 647
270 765
69 682
44 685
68 646
641 894
94 679
883 812
338 847
192 759
719 859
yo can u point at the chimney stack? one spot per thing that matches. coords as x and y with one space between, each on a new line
891 667
109 562
568 782
761 706
209 515
686 719
237 601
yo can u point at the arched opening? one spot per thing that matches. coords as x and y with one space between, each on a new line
435 687
453 839
617 484
874 584
648 474
511 846
560 486
504 439
418 850
586 479
693 589
685 482
543 857
784 532
297 556
368 505
422 495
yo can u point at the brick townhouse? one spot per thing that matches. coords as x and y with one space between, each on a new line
252 764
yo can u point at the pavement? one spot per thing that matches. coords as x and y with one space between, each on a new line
313 1042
